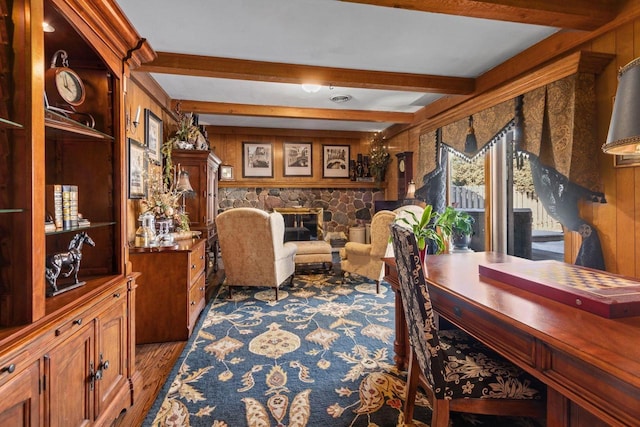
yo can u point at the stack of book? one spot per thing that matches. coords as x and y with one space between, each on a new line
62 206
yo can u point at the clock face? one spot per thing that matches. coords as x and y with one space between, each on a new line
401 165
70 87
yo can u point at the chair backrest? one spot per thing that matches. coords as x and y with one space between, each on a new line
249 236
380 232
418 311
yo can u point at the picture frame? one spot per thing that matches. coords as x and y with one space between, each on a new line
137 169
226 173
626 160
297 158
153 136
257 160
335 161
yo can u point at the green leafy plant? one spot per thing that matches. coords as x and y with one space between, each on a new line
455 222
429 227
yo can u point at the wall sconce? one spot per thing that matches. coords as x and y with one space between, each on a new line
411 190
624 129
471 143
132 127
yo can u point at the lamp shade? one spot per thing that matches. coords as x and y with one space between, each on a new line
411 190
624 129
183 185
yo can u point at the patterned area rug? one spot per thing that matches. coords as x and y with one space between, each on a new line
320 356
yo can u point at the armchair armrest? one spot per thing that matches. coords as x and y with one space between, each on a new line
357 249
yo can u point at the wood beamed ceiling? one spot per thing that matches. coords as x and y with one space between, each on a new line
584 20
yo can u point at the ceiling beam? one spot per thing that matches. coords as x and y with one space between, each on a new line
569 14
224 108
229 68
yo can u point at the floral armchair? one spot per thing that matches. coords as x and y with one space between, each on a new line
366 259
253 248
461 373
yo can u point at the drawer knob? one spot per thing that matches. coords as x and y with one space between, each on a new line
193 303
116 295
77 321
9 369
193 266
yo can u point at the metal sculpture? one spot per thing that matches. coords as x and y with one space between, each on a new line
70 260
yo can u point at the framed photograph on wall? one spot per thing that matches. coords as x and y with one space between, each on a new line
626 160
153 136
137 169
226 173
335 161
257 160
296 157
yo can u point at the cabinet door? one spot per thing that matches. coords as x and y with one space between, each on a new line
20 398
112 351
70 372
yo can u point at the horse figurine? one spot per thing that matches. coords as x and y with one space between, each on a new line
70 260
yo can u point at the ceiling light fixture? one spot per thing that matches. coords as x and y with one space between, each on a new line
47 28
624 130
340 98
311 87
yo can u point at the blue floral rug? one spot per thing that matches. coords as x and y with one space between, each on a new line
320 356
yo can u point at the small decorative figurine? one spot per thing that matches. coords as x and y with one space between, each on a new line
70 260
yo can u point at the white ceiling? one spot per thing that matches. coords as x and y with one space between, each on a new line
325 33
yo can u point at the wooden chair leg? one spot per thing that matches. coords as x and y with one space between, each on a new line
440 416
377 286
413 375
230 296
276 288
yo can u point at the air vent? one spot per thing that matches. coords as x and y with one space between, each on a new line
340 98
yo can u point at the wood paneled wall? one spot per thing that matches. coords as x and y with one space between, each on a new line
144 94
618 221
228 146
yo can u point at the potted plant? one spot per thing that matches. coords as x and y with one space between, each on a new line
458 225
428 228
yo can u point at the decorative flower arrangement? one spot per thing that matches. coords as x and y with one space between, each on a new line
379 159
163 201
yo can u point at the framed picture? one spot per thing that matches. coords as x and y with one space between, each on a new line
297 158
226 173
335 161
153 136
257 160
137 169
626 160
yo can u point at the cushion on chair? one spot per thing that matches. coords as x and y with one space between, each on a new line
474 370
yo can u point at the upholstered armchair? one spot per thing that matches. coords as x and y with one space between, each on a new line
366 259
253 248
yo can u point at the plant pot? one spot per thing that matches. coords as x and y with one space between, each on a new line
460 242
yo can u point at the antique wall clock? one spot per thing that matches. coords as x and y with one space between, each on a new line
405 172
62 84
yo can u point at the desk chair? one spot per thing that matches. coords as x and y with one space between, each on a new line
461 374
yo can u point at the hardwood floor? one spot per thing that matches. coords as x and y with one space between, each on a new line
154 363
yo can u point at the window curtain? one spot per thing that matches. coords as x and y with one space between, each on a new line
555 126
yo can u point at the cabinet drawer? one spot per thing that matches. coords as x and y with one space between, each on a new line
507 340
196 300
12 365
196 261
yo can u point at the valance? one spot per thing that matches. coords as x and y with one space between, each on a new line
490 125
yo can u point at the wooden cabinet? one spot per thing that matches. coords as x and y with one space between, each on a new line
171 291
202 205
66 359
20 405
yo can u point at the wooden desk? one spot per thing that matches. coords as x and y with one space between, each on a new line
590 364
